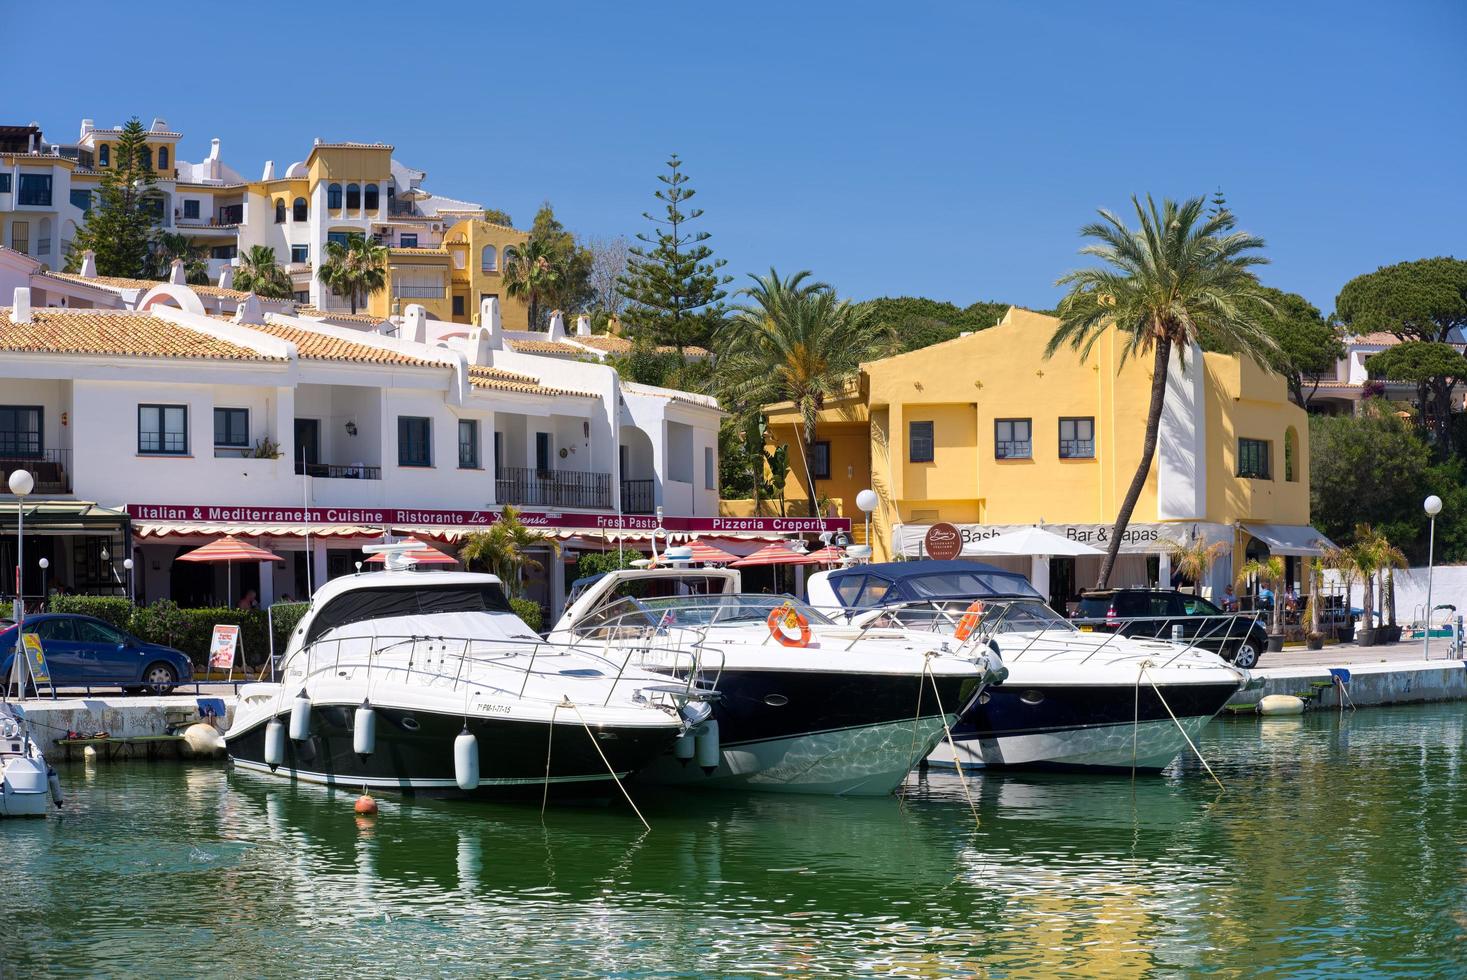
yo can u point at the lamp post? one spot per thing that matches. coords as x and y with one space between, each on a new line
867 501
1433 506
131 596
45 563
21 484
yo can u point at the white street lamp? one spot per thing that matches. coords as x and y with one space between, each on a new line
1433 506
867 501
21 483
45 563
131 597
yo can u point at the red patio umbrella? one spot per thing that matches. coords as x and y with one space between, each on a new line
775 553
229 550
422 555
828 555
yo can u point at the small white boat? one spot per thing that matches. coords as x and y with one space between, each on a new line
27 783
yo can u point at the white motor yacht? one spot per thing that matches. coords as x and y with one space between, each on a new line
802 704
428 682
1072 699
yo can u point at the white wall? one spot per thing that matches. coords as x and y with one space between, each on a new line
1448 587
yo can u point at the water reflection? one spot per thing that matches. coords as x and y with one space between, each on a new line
1334 849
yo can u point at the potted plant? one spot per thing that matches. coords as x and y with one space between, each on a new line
1366 558
1270 574
1392 558
1193 562
1314 639
1340 560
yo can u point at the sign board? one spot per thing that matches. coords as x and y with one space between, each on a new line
1155 538
36 657
222 646
416 517
943 542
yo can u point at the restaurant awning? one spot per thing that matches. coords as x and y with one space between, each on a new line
1290 539
163 529
62 517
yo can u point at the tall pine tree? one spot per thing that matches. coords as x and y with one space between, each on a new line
120 227
672 284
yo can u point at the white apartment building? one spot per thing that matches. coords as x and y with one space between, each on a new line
153 430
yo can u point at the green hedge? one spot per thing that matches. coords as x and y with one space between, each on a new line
529 611
110 609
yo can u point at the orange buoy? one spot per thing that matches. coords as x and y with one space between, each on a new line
972 616
786 616
366 805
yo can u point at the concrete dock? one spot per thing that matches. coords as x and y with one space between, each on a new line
134 725
1362 676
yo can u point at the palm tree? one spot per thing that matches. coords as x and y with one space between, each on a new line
505 548
530 271
1270 574
168 246
354 270
795 341
259 273
1194 561
1183 274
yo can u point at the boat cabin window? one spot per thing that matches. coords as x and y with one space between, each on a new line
360 605
665 585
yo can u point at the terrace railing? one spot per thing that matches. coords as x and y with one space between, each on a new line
521 485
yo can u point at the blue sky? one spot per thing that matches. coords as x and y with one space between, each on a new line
942 150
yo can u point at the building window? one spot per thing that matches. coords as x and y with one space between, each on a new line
232 427
223 251
468 444
458 306
710 469
191 209
371 197
1253 459
163 430
1077 438
820 460
414 441
300 253
498 451
4 183
1291 455
82 200
104 155
339 237
145 158
407 241
919 442
299 210
489 261
333 196
20 430
280 212
543 452
35 189
1012 439
162 158
353 197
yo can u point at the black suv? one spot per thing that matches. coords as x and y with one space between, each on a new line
1159 610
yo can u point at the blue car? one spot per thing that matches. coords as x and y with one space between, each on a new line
82 651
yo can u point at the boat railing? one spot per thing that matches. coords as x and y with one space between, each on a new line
452 661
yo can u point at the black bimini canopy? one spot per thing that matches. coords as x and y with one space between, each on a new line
888 583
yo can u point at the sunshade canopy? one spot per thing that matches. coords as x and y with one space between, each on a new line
421 554
1029 541
229 548
777 553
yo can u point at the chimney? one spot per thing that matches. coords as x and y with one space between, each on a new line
557 325
20 312
214 158
250 311
583 326
160 125
613 325
176 274
269 173
490 322
415 323
87 126
481 348
89 264
226 278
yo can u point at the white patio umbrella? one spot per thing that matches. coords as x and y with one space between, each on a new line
1036 542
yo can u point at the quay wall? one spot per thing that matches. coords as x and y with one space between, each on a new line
120 717
1369 685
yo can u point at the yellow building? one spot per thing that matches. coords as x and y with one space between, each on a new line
984 433
477 250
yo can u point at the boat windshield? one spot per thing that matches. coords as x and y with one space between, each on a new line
384 602
656 612
999 616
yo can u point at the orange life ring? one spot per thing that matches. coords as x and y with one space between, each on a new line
971 618
787 616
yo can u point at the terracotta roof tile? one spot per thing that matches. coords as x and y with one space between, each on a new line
401 250
1379 337
493 378
545 347
118 333
110 282
344 317
612 344
350 145
323 347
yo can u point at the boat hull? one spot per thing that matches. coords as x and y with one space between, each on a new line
414 753
821 732
24 791
1082 727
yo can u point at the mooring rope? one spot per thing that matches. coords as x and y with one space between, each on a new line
916 720
1180 728
947 730
597 747
549 743
1136 726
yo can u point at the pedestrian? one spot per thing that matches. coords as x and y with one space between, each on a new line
249 600
1229 599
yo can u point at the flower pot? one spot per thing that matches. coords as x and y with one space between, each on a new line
1367 637
1314 641
1389 634
1275 642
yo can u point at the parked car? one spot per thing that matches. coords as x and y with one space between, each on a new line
1154 612
82 651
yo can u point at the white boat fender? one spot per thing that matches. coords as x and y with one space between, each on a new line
300 718
682 749
202 739
364 731
466 760
274 743
1280 704
706 747
54 781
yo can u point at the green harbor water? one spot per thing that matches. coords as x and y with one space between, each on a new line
1339 848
